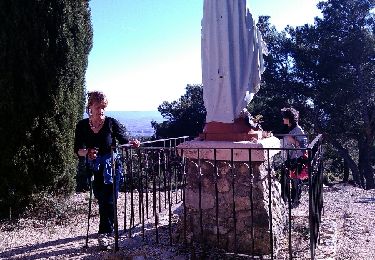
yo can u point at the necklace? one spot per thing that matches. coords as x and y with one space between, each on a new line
96 126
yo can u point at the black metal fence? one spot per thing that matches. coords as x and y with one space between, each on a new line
155 181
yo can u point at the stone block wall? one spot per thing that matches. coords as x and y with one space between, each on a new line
229 209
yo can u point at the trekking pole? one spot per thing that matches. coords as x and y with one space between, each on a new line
114 181
115 220
89 214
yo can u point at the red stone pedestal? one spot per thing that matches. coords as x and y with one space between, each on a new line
239 130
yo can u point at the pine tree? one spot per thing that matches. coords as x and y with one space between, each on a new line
326 71
183 117
336 58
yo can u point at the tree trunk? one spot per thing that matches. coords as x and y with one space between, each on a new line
346 172
364 164
350 162
366 137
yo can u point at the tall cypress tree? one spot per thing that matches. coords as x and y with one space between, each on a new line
44 47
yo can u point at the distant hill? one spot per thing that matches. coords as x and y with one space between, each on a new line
138 123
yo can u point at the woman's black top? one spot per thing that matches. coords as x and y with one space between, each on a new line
111 131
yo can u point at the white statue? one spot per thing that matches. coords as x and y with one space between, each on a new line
232 59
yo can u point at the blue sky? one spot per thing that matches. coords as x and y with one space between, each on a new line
146 52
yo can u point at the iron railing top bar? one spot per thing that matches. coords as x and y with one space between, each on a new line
166 139
153 148
144 145
218 148
124 146
316 140
285 135
154 141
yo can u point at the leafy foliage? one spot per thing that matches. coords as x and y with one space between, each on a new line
185 116
280 88
326 71
339 57
45 45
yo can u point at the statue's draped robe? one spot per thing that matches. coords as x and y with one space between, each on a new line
232 60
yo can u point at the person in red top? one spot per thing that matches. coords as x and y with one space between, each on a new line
94 138
294 158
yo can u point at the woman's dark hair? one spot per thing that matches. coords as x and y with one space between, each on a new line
291 114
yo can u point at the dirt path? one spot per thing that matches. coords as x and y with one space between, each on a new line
351 212
348 232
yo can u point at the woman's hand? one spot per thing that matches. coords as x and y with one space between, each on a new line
293 140
82 152
92 153
290 139
135 143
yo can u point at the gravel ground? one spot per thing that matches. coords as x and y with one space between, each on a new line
352 214
55 239
347 231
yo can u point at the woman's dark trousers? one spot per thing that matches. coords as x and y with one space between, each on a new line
293 192
104 194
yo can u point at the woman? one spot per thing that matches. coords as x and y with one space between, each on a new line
94 138
295 158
